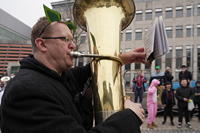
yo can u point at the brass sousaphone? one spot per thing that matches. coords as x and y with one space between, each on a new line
103 20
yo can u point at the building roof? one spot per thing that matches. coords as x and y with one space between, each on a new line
14 25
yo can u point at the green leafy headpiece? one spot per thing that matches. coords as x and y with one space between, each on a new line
53 15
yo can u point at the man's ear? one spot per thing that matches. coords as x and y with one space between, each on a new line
40 45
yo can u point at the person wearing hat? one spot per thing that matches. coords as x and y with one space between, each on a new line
161 77
185 73
152 104
168 75
158 75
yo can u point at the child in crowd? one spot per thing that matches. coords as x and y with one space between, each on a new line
197 97
152 103
168 101
183 95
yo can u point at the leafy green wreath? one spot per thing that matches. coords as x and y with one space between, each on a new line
53 15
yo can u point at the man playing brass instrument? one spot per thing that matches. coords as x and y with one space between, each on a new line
41 98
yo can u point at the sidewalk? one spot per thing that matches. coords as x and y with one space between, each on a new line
167 128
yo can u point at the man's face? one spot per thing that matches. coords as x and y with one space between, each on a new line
198 84
157 70
168 86
183 69
139 73
58 50
168 69
184 83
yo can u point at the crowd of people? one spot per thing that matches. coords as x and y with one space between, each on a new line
42 97
160 92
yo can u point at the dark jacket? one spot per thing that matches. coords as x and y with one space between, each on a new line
168 98
159 76
197 98
185 75
168 77
184 92
38 100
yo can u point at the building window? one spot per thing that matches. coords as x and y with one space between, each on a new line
158 12
82 39
168 62
148 15
179 31
188 55
128 35
189 11
138 16
189 31
168 13
137 66
198 30
138 34
127 78
128 67
198 10
179 12
179 57
198 62
147 66
169 32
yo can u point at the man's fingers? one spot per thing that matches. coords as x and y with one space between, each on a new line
139 50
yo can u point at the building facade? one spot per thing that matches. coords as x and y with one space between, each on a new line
14 43
182 25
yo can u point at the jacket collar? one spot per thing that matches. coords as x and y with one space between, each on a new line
31 63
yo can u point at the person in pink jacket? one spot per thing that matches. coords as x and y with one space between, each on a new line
152 103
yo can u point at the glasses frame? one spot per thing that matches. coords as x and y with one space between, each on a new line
65 39
44 28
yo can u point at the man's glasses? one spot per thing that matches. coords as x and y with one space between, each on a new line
43 29
65 39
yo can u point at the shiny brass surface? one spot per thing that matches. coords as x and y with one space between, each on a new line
96 56
80 6
104 20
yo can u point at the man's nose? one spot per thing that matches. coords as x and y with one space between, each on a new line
72 46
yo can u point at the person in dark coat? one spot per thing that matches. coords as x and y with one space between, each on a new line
158 75
168 101
185 74
44 97
183 95
197 97
168 75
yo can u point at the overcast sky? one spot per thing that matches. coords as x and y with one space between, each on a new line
27 11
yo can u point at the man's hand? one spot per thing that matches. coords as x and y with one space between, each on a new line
185 99
135 55
135 107
197 94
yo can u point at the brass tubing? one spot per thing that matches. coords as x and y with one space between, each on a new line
97 57
103 20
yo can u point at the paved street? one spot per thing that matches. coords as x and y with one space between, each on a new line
167 128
